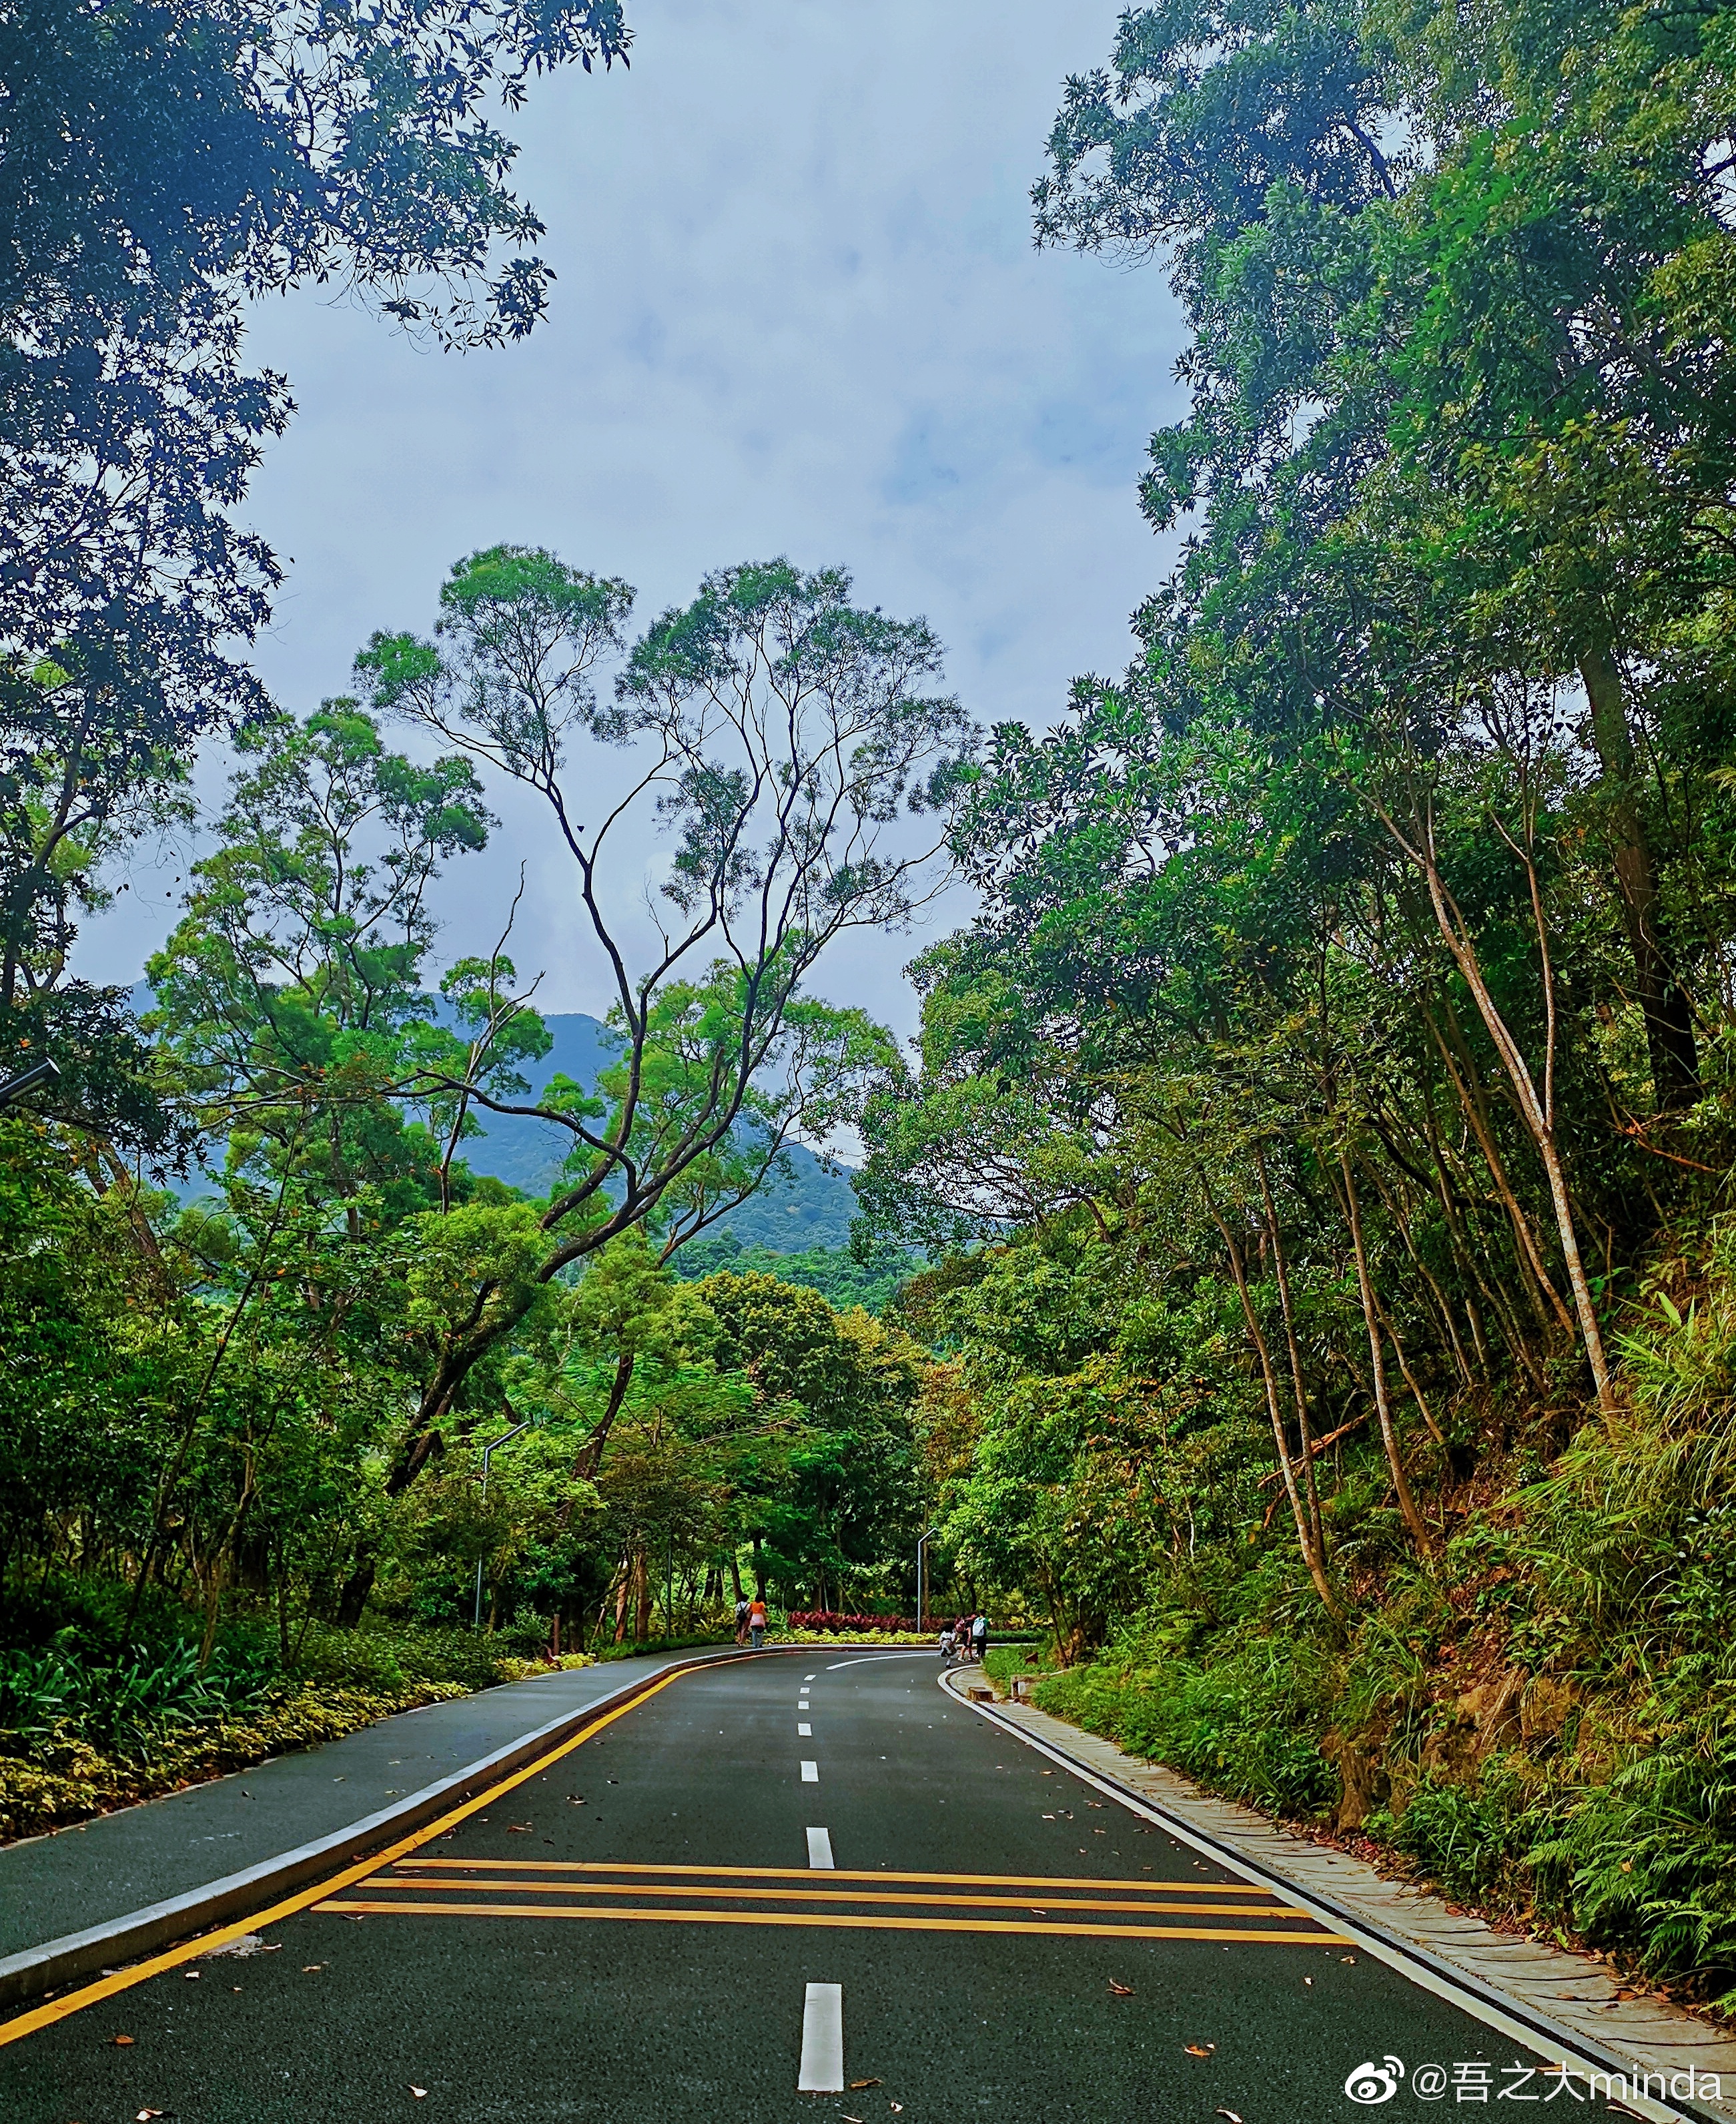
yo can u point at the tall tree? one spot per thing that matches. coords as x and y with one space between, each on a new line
784 739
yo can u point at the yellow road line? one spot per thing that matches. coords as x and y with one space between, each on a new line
123 1980
837 1920
806 1873
402 1881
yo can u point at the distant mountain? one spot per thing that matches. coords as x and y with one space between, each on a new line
528 1153
812 1208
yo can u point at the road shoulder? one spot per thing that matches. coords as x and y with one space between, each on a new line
1573 1991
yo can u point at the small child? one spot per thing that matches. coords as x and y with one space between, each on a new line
949 1640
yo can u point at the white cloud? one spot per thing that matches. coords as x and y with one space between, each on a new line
797 311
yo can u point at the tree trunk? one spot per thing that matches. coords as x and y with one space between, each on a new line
642 1599
1317 1519
1305 1542
1538 1112
1378 1359
1669 1017
357 1587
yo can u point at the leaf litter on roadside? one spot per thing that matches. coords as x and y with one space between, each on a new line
1199 2050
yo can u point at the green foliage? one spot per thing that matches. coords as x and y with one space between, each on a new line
1246 1723
842 1277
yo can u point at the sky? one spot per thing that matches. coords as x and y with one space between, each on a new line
798 311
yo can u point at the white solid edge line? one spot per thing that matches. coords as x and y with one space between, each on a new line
810 1773
1394 1957
822 2041
820 1851
862 1658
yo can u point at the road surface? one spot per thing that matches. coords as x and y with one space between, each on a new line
808 1886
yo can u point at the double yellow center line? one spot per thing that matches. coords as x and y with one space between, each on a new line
895 1902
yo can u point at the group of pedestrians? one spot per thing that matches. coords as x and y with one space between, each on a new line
750 1620
966 1638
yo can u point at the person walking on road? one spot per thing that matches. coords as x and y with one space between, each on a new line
978 1637
756 1622
741 1618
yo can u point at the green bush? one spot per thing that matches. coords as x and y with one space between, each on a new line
1248 1724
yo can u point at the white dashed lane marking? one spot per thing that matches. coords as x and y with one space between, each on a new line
822 2041
810 1773
819 1850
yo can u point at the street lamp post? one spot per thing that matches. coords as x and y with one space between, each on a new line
488 1452
922 1574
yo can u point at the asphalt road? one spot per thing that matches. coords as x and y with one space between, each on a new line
631 1937
121 1861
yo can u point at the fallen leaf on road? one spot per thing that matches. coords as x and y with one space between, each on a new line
520 1828
419 2092
898 2107
1049 1817
1309 1981
145 2116
1120 1991
312 1968
1230 2113
857 2086
1199 2050
1346 1959
121 2043
190 1974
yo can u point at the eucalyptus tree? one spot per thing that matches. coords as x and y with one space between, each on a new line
793 751
1460 280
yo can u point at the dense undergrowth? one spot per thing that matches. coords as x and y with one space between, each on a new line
85 1727
1543 1721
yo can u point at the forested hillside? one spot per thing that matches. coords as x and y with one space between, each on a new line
1297 1260
1347 1028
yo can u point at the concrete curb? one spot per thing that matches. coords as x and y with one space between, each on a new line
1471 1988
38 1970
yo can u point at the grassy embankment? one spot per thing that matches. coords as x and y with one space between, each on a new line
83 1732
1542 1720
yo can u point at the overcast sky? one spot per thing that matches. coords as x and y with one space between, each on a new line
797 312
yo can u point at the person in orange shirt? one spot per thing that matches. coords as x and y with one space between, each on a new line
756 1622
